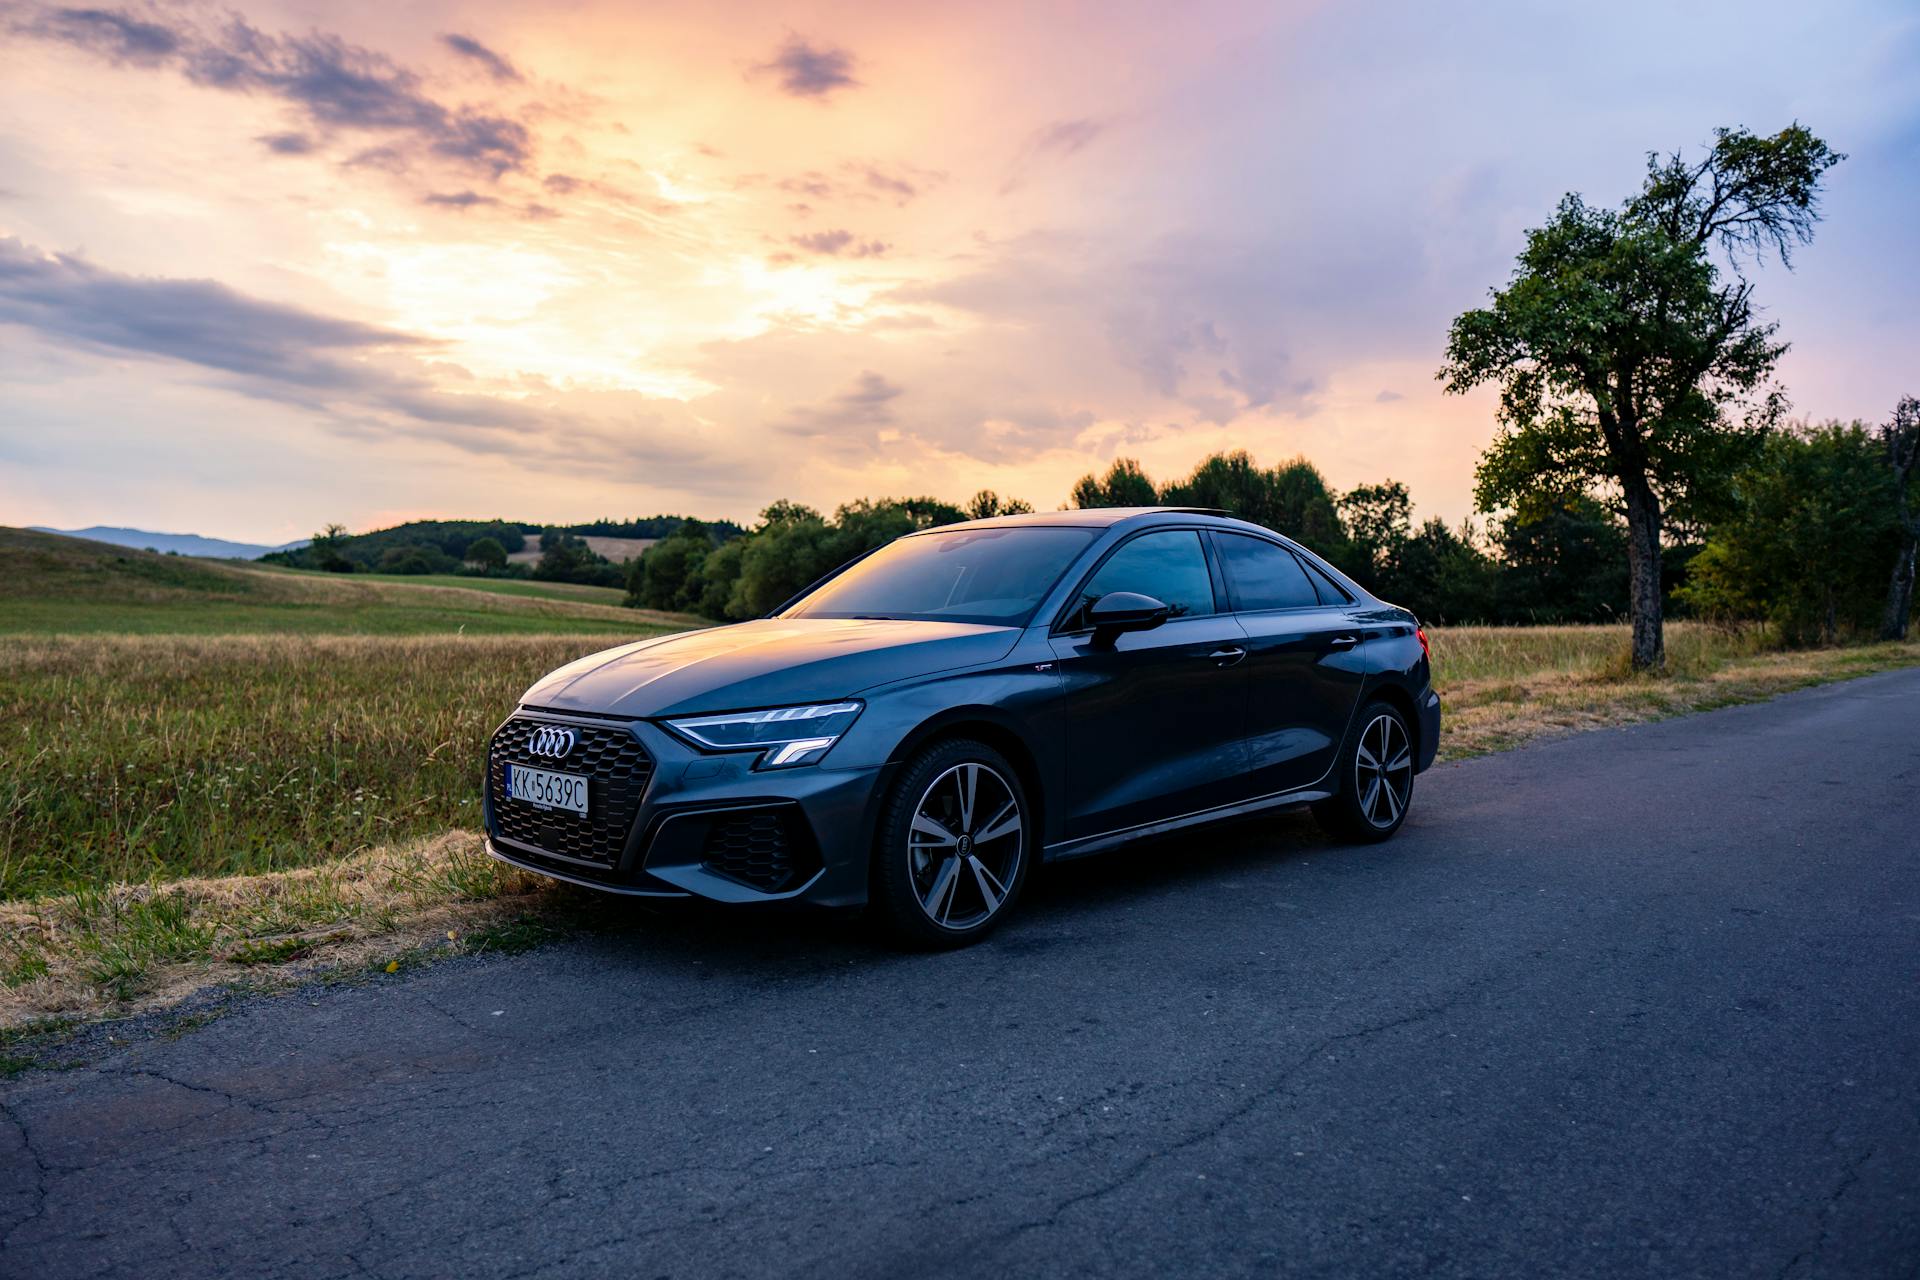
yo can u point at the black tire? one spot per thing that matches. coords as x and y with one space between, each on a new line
1371 801
915 897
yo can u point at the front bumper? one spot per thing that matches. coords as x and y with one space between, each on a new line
706 826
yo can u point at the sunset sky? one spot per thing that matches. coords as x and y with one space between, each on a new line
272 265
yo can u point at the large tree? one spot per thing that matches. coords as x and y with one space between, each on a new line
1626 348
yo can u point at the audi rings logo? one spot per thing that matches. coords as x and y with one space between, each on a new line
552 742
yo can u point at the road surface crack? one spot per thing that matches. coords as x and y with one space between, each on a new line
1848 1177
43 1176
1239 1112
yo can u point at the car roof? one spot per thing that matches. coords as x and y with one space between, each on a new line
1083 518
1112 517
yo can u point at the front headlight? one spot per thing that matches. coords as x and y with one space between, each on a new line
788 735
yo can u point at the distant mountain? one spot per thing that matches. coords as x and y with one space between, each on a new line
187 544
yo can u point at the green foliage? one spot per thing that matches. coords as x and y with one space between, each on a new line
487 554
328 550
1125 485
1562 561
1901 440
649 527
1379 525
567 558
443 543
784 553
1292 498
416 559
1444 576
986 504
668 575
1622 359
719 578
1808 546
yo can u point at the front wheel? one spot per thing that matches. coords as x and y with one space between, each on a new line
1375 779
953 846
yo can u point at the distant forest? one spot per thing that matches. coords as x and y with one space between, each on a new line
481 547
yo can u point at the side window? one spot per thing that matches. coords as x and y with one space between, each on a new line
1331 592
1171 567
1262 575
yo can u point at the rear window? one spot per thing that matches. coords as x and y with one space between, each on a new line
1263 575
1331 592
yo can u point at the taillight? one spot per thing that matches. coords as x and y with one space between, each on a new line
1425 648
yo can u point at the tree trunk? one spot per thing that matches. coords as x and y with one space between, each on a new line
1643 577
1900 593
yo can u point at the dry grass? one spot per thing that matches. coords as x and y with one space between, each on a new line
128 758
129 947
1503 687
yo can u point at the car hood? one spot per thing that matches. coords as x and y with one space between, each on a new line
767 663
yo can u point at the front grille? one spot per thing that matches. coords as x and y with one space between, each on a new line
617 769
753 847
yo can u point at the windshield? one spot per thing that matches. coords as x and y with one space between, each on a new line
995 577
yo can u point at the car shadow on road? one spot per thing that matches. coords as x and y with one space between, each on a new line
720 940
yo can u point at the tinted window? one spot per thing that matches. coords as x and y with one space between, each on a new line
1331 592
1168 566
1263 575
990 576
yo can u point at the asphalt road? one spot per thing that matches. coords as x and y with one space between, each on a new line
1635 1003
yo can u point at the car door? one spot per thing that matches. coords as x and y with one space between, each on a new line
1304 666
1152 721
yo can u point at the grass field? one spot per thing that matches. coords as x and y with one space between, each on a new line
528 587
184 808
134 757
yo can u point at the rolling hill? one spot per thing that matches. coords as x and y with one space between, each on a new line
58 583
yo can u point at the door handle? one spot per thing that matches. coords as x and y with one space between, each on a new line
1343 642
1228 656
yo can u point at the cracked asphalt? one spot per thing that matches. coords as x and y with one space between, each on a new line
1641 1002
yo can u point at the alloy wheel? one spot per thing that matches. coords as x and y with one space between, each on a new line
964 846
1383 771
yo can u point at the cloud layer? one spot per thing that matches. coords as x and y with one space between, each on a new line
331 84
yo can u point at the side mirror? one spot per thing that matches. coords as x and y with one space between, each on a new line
1119 611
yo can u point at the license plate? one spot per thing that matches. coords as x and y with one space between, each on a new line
547 790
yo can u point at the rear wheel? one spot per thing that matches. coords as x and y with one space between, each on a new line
952 848
1376 778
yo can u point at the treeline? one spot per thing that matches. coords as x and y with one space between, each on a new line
1562 565
1811 524
482 548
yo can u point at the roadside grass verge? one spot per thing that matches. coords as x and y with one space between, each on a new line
128 947
1501 688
